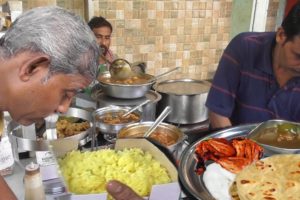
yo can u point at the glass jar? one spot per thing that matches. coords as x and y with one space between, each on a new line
34 189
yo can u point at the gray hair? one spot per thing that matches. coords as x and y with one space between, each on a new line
60 34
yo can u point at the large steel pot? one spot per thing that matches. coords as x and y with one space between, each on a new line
187 99
125 91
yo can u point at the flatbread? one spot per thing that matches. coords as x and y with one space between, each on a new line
274 178
233 191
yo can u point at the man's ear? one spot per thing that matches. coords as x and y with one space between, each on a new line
33 65
281 36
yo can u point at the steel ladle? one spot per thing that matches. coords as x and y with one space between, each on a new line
120 69
164 74
156 123
136 107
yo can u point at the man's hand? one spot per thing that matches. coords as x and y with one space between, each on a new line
120 191
218 121
5 191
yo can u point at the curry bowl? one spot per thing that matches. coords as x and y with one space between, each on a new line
109 120
25 138
277 136
165 134
132 88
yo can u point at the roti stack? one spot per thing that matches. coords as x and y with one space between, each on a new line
273 178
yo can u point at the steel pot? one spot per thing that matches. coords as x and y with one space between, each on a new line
23 142
110 130
125 91
148 111
138 129
187 99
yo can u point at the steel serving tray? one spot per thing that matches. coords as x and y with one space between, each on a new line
192 182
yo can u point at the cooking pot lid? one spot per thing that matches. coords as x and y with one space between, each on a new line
183 87
98 95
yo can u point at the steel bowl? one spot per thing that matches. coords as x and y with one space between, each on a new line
125 91
138 130
283 147
110 131
21 141
148 111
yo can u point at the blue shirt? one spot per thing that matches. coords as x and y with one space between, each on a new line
245 89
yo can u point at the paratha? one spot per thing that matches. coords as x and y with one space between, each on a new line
233 191
273 178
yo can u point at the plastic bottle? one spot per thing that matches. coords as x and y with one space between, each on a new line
34 189
6 154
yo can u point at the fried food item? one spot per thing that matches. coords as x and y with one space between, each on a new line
66 128
232 155
276 177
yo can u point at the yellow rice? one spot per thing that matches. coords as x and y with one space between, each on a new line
88 172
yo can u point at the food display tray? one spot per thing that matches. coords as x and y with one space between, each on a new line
194 183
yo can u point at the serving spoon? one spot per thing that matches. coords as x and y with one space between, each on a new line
164 74
136 107
120 69
160 118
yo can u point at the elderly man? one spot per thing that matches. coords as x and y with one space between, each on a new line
46 57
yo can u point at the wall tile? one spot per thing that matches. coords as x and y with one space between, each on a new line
165 34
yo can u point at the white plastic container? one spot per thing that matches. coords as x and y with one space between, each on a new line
6 154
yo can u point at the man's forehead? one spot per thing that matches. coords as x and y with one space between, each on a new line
102 30
77 80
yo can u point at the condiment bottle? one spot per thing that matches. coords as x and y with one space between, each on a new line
34 189
6 154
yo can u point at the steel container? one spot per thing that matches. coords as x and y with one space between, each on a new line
110 131
125 91
260 130
138 130
148 111
187 103
21 141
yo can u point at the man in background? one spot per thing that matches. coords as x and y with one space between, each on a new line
102 30
258 77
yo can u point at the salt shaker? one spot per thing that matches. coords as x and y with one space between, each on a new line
34 189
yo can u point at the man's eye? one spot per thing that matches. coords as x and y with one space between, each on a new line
68 95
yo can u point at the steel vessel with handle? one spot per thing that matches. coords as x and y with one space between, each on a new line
129 91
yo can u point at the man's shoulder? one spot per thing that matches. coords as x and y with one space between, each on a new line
255 37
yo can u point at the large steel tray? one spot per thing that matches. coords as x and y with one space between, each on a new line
190 180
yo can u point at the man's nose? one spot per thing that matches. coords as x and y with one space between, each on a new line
63 107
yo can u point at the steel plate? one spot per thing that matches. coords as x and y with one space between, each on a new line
190 180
